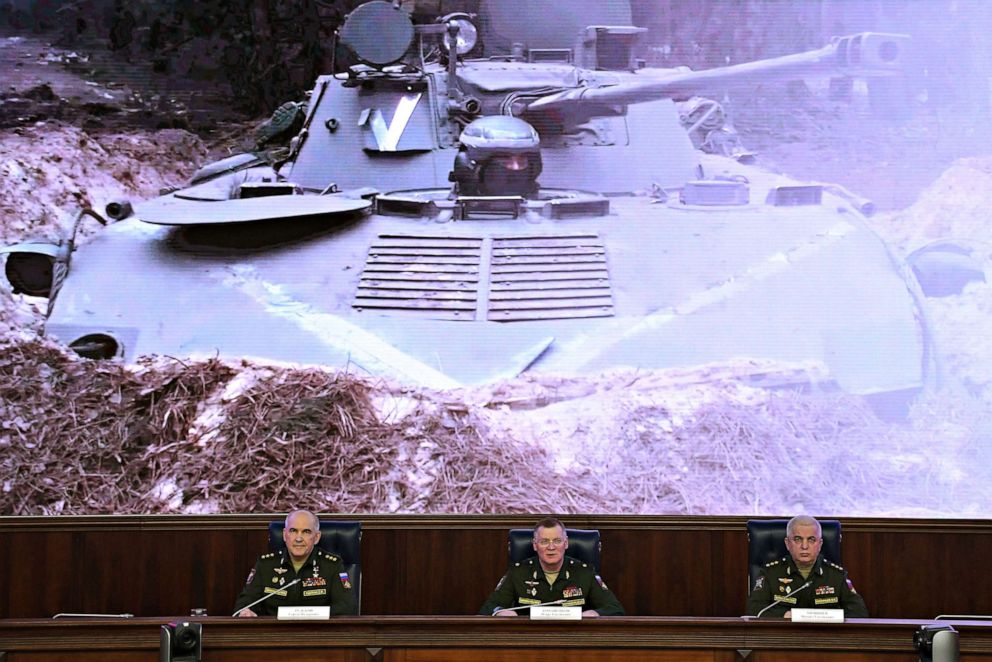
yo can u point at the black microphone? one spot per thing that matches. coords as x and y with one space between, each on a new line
787 595
266 597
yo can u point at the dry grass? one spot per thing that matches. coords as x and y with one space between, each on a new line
84 437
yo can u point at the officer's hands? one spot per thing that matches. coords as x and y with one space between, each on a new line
247 613
504 612
787 614
590 613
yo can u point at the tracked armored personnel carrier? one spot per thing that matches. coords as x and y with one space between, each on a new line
489 195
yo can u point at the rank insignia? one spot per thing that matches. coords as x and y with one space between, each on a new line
571 592
343 576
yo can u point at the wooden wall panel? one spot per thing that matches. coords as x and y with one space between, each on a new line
658 566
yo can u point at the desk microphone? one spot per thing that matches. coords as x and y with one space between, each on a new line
543 604
787 595
266 597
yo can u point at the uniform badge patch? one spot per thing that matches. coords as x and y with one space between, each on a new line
602 584
759 582
344 580
251 576
851 587
314 591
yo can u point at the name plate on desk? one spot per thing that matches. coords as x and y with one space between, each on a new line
551 613
304 613
817 615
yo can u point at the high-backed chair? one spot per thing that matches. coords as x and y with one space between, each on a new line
583 544
341 538
766 542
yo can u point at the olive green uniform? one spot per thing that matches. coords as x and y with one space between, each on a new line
830 589
577 584
323 582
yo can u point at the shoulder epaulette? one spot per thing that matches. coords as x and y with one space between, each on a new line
269 555
775 562
834 565
328 555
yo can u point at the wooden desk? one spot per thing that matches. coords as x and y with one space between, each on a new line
479 638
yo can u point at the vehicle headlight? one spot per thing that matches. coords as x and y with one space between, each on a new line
468 33
30 267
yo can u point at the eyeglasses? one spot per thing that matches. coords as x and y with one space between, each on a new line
546 542
799 540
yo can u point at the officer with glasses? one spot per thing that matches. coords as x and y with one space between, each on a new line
804 579
551 576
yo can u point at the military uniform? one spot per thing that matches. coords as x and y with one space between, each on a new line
577 583
323 582
830 589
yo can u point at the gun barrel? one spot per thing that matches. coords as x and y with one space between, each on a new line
864 54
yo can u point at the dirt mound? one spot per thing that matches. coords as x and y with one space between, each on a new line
50 170
86 437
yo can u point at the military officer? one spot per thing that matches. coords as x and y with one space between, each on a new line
552 576
829 586
323 580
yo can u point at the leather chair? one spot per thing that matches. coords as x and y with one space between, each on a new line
766 542
341 538
583 544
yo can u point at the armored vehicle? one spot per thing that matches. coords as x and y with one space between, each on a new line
501 193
